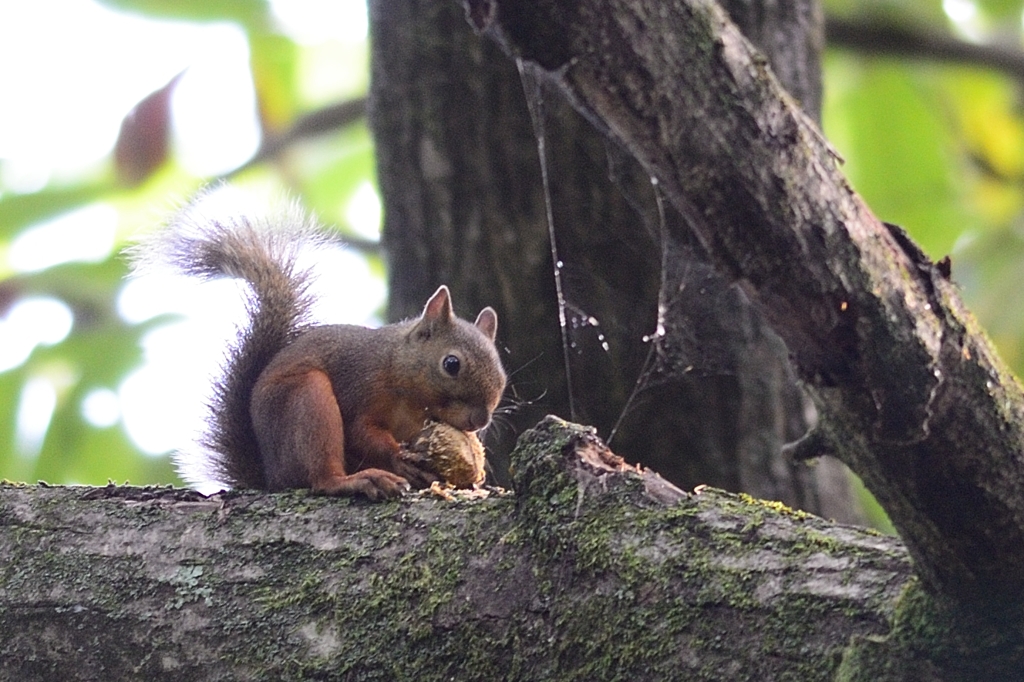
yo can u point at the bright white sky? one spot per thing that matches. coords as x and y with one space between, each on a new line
97 64
69 72
60 56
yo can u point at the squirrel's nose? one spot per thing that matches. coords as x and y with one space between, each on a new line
479 417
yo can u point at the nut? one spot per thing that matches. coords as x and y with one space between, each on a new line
454 455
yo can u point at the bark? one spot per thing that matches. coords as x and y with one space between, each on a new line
591 571
911 394
464 205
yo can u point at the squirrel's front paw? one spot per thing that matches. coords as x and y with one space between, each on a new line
375 484
413 469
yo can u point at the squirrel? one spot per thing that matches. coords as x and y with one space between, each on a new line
323 407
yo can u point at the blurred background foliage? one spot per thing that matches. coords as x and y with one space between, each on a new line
933 139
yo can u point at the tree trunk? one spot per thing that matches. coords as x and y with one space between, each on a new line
591 571
911 394
464 205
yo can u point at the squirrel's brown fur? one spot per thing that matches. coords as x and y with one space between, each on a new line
325 407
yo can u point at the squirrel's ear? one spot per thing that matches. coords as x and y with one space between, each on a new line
439 307
487 322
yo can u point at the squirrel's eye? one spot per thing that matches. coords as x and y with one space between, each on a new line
451 365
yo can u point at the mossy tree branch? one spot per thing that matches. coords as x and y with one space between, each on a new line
592 571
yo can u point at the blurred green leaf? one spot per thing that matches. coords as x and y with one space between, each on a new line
890 123
83 362
80 284
1005 12
990 269
10 394
253 14
99 358
986 110
18 211
873 512
107 453
74 451
920 12
331 174
274 72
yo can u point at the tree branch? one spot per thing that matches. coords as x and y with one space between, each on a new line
312 124
886 38
593 570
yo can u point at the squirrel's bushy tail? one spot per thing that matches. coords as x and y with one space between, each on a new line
263 253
